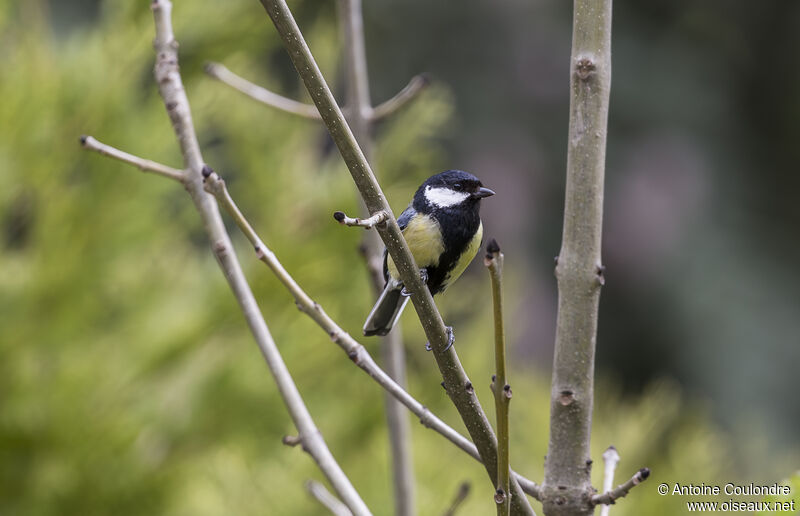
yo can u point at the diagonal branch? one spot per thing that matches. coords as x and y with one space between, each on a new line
618 492
354 350
403 97
254 91
172 91
456 382
145 165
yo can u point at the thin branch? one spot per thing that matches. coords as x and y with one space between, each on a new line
502 390
171 88
610 461
357 353
456 382
567 482
403 97
324 497
369 223
359 115
610 496
461 495
221 73
144 165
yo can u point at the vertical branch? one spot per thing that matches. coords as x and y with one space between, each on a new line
359 106
567 485
171 88
500 387
456 382
610 461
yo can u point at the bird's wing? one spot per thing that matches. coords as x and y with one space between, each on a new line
406 217
402 221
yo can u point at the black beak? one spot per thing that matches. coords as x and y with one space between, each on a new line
482 192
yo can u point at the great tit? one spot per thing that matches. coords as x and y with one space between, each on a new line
443 229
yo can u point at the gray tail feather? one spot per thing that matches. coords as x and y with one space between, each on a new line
386 310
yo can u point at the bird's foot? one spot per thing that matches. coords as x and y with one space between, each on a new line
451 339
423 275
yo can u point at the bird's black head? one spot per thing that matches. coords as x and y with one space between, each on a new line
450 189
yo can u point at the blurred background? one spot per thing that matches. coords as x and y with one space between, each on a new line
129 383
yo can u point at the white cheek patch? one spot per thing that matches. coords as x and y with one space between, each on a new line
444 197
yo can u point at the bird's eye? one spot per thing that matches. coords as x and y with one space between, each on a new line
457 186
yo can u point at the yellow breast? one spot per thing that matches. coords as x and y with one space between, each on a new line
424 238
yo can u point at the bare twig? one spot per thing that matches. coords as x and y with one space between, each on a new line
324 497
172 91
369 223
461 495
610 461
567 482
610 496
144 165
403 97
254 91
457 384
500 387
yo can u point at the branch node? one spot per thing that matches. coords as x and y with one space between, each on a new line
507 391
468 387
600 270
585 67
291 440
566 397
499 496
492 248
220 248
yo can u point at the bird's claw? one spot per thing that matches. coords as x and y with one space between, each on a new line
423 275
451 339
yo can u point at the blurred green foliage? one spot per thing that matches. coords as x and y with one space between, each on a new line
129 383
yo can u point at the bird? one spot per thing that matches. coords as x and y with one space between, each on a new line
443 229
